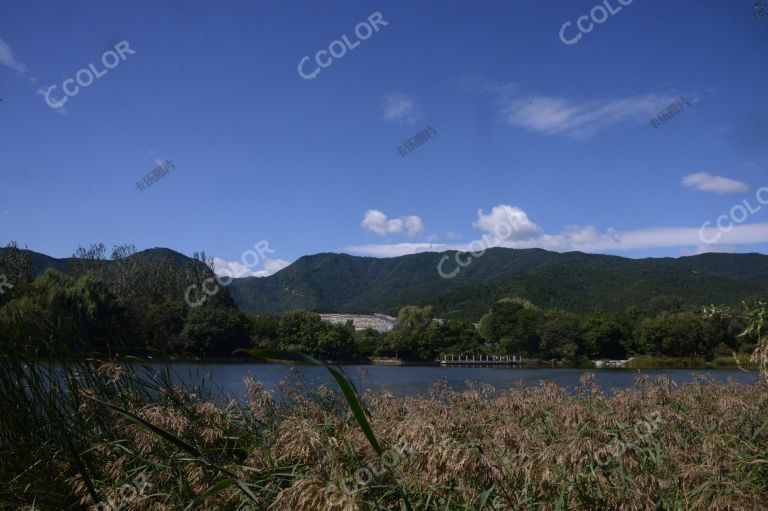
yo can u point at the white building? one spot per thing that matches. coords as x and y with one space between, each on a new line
378 322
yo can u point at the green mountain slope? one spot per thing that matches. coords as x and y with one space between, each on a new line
574 281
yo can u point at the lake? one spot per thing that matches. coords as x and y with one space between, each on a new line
405 380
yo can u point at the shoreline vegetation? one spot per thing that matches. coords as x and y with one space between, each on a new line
151 304
93 434
97 436
736 361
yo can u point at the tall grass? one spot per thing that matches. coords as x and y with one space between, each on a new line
734 361
73 434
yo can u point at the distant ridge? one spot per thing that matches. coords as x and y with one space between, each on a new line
41 262
346 284
341 283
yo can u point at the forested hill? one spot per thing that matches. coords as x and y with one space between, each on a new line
574 281
41 262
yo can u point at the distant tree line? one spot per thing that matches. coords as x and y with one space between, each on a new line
132 304
663 328
517 327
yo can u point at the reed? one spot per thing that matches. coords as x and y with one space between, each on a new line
74 434
83 434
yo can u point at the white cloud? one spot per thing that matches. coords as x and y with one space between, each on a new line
234 269
707 249
397 249
401 109
705 182
237 269
271 266
7 59
377 222
562 116
507 223
510 227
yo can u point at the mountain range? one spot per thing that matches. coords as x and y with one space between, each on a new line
575 281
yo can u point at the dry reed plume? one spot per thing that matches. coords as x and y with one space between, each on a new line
535 447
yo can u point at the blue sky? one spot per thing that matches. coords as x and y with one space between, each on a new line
535 143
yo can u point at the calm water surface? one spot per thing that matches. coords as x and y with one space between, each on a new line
404 380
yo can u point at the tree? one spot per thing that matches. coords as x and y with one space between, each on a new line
87 260
513 323
602 336
412 317
368 342
215 331
264 331
161 326
336 341
676 335
15 272
456 337
125 271
755 315
410 338
74 309
298 330
560 335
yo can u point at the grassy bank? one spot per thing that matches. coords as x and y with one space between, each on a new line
94 433
723 362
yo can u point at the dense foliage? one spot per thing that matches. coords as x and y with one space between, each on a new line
572 281
135 303
517 327
130 303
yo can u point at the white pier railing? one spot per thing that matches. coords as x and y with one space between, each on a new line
481 360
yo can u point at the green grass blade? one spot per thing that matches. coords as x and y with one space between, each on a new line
346 389
156 430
